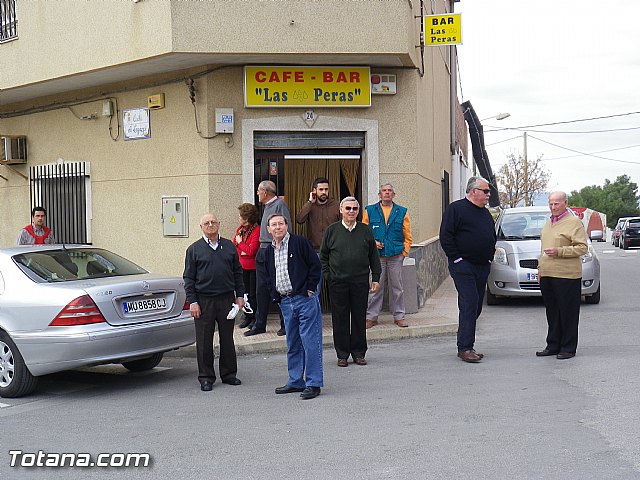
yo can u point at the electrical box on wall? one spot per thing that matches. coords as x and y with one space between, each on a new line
175 216
224 120
383 84
155 102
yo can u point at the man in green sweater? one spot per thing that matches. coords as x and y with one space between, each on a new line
564 241
348 253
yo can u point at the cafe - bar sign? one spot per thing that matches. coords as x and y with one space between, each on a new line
306 86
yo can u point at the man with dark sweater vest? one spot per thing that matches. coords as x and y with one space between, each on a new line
213 281
293 273
468 238
348 254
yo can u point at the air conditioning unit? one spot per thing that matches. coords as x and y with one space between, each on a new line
13 149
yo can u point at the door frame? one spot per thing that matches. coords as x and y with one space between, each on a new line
370 153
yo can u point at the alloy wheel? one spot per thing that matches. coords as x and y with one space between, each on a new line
7 367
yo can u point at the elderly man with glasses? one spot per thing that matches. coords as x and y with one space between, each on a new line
468 238
348 253
213 283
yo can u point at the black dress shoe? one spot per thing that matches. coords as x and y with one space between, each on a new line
281 332
246 322
310 392
565 355
288 389
545 353
206 386
254 331
232 381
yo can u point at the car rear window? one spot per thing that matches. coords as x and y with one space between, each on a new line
634 224
75 264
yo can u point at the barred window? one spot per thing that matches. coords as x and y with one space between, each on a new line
8 22
64 189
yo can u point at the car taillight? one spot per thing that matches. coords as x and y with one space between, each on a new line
186 305
81 311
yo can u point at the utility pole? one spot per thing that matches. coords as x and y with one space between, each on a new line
526 173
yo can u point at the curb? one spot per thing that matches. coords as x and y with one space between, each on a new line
374 335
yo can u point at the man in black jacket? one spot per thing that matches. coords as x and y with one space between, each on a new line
468 238
212 280
293 273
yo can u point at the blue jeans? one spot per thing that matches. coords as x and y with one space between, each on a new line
470 280
303 323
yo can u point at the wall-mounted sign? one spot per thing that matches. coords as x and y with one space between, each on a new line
307 87
443 29
136 124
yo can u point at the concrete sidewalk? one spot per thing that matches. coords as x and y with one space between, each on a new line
439 316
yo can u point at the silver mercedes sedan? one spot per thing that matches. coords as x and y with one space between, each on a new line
68 307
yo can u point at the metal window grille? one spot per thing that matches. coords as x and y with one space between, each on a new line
64 190
8 22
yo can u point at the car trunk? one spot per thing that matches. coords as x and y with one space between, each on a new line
136 298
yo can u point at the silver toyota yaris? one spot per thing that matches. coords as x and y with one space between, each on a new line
63 308
514 270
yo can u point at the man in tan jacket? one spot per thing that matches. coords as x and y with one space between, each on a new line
564 241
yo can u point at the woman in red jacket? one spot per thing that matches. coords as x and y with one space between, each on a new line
247 242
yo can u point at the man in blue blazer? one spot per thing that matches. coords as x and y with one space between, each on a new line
293 272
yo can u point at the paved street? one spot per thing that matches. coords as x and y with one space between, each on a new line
415 412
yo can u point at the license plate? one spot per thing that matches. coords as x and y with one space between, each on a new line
532 277
146 305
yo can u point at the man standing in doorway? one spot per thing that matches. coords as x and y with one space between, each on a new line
564 241
391 229
37 233
293 273
319 212
348 255
213 281
468 238
267 195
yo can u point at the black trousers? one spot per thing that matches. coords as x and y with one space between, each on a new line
348 316
249 279
214 310
263 295
561 298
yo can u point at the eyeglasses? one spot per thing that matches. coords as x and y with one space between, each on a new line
210 223
349 209
486 191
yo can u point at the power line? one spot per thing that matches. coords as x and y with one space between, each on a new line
583 153
497 129
502 141
571 121
600 151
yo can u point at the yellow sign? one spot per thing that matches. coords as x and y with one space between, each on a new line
443 29
307 87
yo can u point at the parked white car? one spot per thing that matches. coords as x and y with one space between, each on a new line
514 271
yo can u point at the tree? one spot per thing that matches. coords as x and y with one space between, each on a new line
520 180
617 199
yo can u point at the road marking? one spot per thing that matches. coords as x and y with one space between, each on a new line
608 251
3 405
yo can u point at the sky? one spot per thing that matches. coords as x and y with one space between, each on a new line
548 61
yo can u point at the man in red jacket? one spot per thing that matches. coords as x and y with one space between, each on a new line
36 233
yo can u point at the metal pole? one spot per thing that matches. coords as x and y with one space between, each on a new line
526 173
